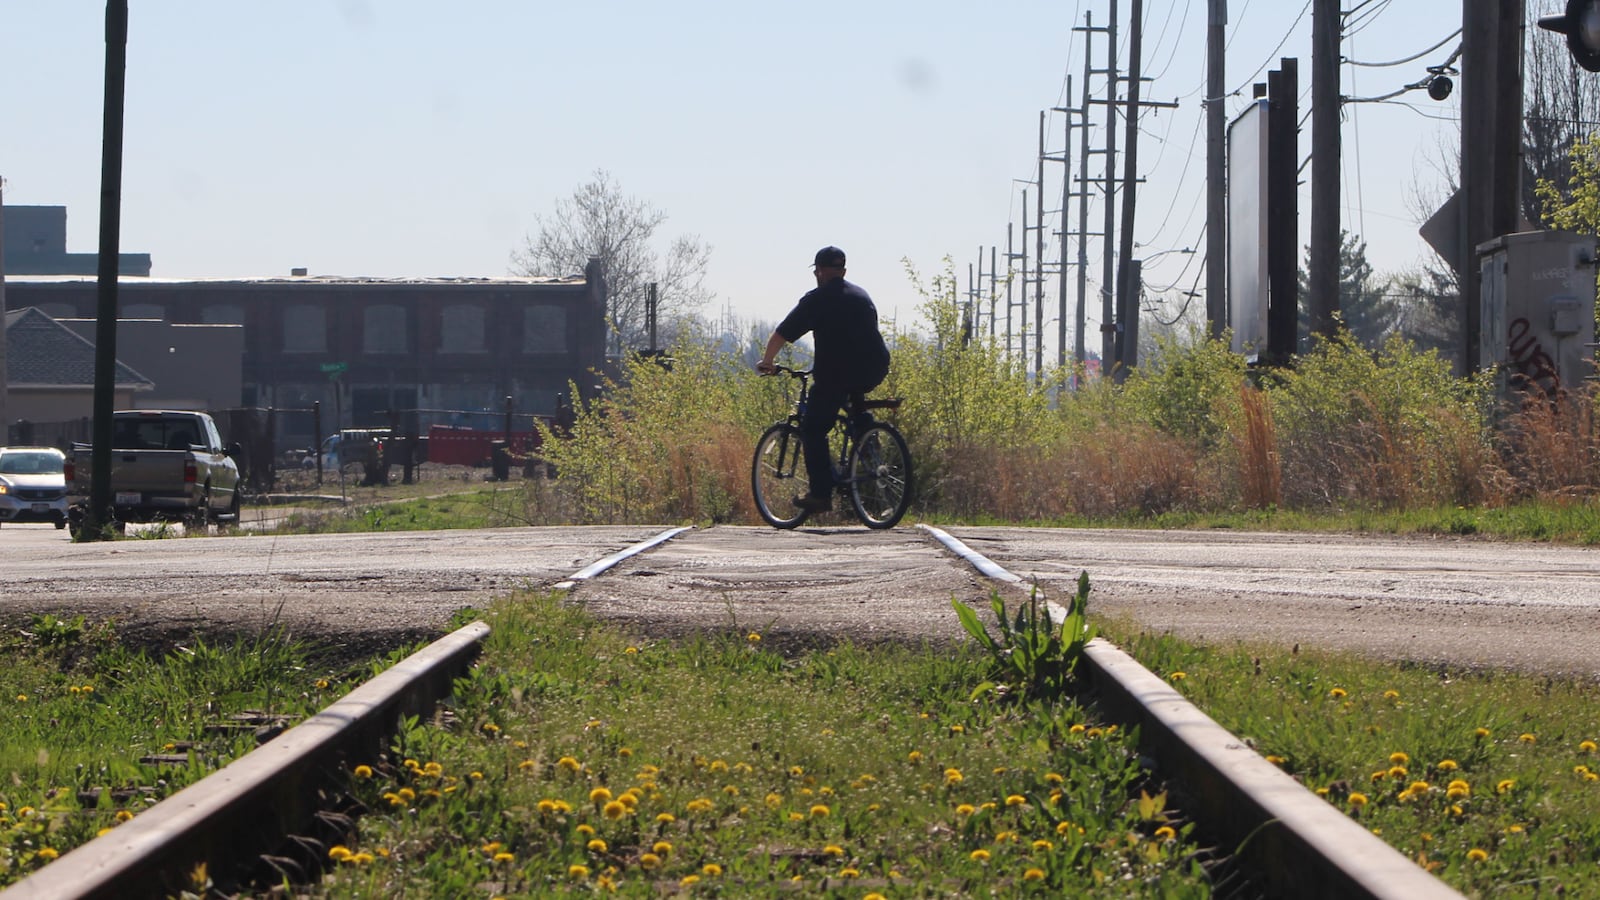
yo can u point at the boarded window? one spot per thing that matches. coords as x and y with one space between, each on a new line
461 329
383 329
305 329
222 314
544 329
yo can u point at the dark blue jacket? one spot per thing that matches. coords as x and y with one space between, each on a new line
850 352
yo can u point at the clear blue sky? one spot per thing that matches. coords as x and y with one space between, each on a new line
396 137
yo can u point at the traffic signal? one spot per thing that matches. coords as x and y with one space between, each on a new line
1581 25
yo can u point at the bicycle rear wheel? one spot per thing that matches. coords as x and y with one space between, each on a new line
777 474
880 477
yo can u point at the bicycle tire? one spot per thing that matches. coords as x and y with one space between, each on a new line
777 474
880 477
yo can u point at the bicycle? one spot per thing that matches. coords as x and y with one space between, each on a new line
872 469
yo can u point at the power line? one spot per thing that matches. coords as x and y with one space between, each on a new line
1413 58
1273 55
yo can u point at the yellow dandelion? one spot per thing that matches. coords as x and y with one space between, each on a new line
585 829
614 810
1358 799
599 795
322 684
577 873
88 689
1005 837
1165 833
1505 786
393 799
1447 765
833 850
491 729
1399 758
1053 778
571 765
797 816
649 861
48 853
1042 846
1338 693
1481 732
338 853
475 776
407 794
731 790
491 848
1586 746
22 698
525 765
1076 729
362 772
1391 695
966 809
1527 738
952 776
1398 772
596 845
364 858
504 857
1591 776
689 881
1178 676
980 855
1379 775
753 638
796 771
874 896
711 870
1477 855
914 756
1513 829
1016 800
1094 732
820 811
666 818
849 873
1276 760
1419 787
1579 769
958 729
630 650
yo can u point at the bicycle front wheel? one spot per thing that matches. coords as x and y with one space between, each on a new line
777 474
880 477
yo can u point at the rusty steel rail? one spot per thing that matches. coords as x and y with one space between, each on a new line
1298 843
226 820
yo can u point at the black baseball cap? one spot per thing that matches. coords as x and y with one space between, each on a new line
830 257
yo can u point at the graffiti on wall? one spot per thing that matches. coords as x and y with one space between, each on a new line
1529 365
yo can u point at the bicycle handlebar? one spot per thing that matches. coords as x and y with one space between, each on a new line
779 369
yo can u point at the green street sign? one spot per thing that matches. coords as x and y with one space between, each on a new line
335 368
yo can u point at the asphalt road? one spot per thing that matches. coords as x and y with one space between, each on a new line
1463 602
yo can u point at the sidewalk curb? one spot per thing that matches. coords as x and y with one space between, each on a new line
1298 842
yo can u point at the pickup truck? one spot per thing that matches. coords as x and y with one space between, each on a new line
166 465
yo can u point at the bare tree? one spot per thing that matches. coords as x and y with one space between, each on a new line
1562 105
599 221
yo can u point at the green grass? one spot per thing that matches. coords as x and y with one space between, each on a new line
80 712
578 758
1490 780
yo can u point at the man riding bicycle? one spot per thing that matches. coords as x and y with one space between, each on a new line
851 359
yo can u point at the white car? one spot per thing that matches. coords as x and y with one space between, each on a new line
32 487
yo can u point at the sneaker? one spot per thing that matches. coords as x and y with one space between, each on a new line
812 504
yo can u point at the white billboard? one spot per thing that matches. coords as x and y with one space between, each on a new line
1247 230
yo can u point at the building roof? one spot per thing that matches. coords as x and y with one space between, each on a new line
307 279
41 352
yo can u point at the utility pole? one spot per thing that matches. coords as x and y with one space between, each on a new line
1491 106
1108 320
1066 198
1216 171
1038 261
994 290
105 346
1127 290
5 415
1322 269
1080 345
1010 255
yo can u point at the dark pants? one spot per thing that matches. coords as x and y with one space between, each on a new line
822 410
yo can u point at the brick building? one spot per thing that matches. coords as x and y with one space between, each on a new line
364 346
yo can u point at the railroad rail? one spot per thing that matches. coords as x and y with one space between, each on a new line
1294 841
